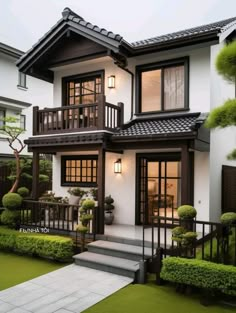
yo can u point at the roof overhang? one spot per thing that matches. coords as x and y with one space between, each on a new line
10 51
13 103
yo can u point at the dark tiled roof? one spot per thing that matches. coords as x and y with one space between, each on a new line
161 126
187 33
68 14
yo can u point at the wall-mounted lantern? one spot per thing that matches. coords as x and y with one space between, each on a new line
111 81
117 166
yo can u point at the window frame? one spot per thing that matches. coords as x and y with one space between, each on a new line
22 80
64 158
156 66
81 76
24 117
4 115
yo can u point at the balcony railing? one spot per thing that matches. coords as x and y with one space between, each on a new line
83 117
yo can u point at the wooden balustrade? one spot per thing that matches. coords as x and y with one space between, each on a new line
83 117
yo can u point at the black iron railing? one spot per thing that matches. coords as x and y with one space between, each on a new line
54 216
215 242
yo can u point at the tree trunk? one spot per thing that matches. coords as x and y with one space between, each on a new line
18 172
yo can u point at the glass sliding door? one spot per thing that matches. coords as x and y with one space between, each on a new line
158 186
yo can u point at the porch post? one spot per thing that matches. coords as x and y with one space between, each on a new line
187 172
101 191
35 179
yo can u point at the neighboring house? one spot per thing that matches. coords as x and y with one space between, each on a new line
18 93
138 106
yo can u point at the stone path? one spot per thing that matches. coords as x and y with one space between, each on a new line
70 289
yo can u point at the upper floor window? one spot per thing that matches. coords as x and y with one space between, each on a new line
22 121
82 89
22 80
2 115
163 86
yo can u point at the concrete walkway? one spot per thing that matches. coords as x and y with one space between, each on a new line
70 289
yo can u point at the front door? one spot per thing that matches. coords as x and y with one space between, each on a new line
158 186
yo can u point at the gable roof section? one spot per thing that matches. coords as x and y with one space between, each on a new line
216 27
114 44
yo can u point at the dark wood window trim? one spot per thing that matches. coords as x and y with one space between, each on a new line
81 158
160 65
66 79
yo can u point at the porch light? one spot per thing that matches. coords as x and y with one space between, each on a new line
117 166
111 81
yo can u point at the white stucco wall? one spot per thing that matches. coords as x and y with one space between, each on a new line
201 185
38 92
222 140
121 92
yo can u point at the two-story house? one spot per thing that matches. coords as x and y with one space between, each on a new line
18 93
128 117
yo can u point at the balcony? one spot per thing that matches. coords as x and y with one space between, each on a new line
77 118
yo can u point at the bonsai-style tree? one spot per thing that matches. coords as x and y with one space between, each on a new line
225 115
12 132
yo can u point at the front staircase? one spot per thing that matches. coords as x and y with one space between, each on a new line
115 256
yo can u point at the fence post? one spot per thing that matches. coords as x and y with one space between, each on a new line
101 112
159 255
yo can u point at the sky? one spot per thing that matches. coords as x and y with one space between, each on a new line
23 22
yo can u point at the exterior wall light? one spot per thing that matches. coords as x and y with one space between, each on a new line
117 166
111 81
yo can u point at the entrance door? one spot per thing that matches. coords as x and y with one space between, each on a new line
158 186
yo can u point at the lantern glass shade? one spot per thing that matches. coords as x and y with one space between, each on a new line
117 166
111 81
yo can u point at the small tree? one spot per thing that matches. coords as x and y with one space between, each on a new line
12 131
225 115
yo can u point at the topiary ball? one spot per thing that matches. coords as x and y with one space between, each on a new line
228 218
109 200
186 212
23 192
88 204
12 201
226 62
10 218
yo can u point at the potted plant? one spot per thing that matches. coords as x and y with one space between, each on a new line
109 207
75 195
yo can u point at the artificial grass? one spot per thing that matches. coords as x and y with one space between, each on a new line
152 299
15 269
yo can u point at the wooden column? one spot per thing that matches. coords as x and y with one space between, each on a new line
101 191
35 180
187 174
101 112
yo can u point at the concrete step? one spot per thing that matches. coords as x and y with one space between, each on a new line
109 264
120 250
128 241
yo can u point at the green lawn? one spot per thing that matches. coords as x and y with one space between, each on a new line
15 269
153 299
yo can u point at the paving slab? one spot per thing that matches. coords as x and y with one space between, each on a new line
71 289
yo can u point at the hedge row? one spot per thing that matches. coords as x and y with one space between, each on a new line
200 273
47 246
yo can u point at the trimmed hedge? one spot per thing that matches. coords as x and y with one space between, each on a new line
11 201
200 273
46 246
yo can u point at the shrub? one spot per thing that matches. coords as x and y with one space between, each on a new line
23 192
226 62
10 218
189 238
186 212
47 246
88 204
228 218
76 192
200 273
177 233
109 200
12 201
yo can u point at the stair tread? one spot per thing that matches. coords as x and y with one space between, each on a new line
121 247
108 260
